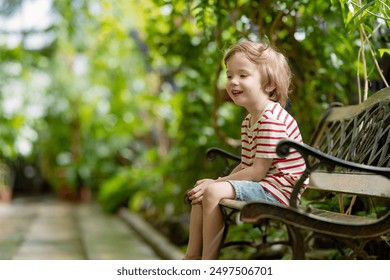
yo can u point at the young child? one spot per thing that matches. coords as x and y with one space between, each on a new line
258 79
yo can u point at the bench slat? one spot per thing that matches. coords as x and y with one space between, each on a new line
233 204
348 112
341 218
360 184
320 213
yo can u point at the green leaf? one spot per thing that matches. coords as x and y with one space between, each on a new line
361 10
136 200
383 51
343 13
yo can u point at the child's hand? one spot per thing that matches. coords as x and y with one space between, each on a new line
196 194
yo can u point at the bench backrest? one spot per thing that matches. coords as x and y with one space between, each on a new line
357 133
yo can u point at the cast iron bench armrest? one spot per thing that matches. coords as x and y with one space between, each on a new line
213 153
330 162
336 224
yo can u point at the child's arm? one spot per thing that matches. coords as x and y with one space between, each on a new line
255 173
236 169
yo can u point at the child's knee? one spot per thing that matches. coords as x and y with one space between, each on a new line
213 192
209 191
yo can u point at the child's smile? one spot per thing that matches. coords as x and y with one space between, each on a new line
236 92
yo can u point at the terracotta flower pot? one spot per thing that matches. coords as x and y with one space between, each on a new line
5 194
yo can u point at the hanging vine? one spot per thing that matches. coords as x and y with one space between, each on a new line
367 19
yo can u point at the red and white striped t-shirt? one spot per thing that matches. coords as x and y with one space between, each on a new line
260 141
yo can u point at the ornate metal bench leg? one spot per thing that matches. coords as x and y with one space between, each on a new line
296 242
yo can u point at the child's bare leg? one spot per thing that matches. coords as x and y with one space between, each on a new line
213 224
194 248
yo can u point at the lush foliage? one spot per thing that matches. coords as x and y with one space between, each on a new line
367 19
125 97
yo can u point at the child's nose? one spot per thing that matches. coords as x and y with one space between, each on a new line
234 81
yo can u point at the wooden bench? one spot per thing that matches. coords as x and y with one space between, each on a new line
347 159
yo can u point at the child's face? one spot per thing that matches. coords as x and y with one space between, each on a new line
243 81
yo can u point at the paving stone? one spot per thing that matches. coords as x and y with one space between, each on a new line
14 223
52 230
107 237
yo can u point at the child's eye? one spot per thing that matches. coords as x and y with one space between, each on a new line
243 75
229 77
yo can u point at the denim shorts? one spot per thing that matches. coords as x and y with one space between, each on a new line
248 190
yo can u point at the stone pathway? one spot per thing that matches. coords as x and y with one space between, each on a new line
47 229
